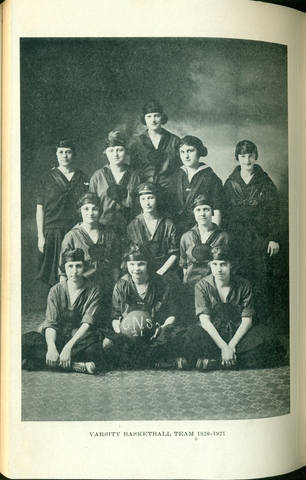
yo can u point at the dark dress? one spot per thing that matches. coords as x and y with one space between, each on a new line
160 303
117 200
251 218
59 197
259 347
162 244
102 257
196 268
66 319
182 194
155 164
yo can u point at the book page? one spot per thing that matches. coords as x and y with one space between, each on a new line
223 71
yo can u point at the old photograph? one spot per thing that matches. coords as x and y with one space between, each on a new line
154 229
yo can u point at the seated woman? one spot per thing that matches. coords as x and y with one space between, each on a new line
156 232
251 219
140 289
115 185
191 180
154 153
67 338
225 337
195 249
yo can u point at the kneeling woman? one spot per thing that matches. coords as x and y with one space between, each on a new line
67 338
140 290
156 232
225 336
100 247
195 248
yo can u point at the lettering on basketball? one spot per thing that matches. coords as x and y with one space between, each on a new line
136 325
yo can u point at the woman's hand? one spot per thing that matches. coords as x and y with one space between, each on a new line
228 355
41 244
158 328
52 357
65 357
273 248
116 325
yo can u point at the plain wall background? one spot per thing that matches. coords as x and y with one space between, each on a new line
221 90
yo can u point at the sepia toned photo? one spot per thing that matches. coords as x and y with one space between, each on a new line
154 229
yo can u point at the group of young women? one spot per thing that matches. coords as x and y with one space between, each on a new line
192 252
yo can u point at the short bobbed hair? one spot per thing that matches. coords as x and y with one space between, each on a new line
91 198
65 143
115 139
73 255
150 188
153 107
246 146
202 200
195 142
137 253
221 253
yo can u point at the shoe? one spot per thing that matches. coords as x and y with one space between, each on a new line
82 367
208 364
205 364
179 363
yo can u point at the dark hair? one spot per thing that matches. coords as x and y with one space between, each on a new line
72 255
196 143
137 253
150 188
202 200
221 253
246 146
89 197
115 139
153 107
65 143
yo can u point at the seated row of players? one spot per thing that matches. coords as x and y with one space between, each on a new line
145 331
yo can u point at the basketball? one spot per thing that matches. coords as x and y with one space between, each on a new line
137 325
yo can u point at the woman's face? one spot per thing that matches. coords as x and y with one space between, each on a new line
153 121
148 203
221 270
189 156
138 271
246 161
64 156
74 270
115 155
203 214
90 213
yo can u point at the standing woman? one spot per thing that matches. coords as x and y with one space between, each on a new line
115 184
154 153
192 179
56 213
252 221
